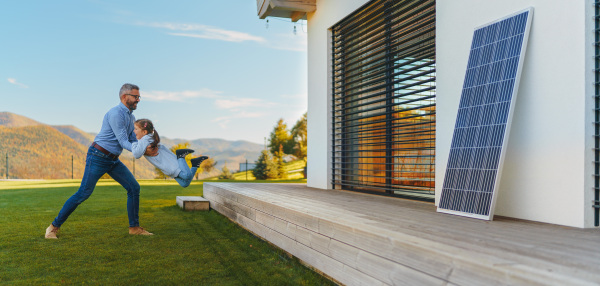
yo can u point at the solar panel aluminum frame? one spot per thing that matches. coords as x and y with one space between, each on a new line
596 202
515 89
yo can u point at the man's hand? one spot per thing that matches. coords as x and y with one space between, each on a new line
150 151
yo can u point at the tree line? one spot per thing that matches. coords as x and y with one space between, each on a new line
270 164
282 142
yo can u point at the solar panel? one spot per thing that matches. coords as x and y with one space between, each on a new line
484 116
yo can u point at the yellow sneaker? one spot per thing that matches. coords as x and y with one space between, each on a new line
139 231
51 232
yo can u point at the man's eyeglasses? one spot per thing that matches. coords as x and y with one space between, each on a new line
134 96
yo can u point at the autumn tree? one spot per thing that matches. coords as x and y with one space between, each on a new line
280 143
299 137
206 166
281 174
280 137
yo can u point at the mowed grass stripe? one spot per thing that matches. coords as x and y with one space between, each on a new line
94 246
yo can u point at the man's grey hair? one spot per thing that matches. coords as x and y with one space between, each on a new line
126 88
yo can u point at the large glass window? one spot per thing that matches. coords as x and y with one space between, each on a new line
383 103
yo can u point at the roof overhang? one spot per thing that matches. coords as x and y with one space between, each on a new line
293 9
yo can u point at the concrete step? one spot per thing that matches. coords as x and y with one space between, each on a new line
193 203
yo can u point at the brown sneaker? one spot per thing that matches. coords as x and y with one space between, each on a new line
139 231
51 232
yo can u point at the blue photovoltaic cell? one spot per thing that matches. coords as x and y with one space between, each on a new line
483 116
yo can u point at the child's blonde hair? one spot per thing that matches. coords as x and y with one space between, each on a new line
146 124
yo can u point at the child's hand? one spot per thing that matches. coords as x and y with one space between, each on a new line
150 139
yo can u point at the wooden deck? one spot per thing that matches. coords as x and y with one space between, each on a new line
360 239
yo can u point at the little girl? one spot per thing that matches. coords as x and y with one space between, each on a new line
173 165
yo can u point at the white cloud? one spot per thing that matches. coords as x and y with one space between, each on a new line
230 36
14 81
223 121
294 107
179 95
289 42
204 32
238 108
240 115
237 103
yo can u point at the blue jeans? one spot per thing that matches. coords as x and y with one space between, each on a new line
96 165
186 175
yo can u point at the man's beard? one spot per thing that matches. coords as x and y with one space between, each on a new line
132 106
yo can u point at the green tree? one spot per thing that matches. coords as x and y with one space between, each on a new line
265 167
225 174
299 137
184 145
280 138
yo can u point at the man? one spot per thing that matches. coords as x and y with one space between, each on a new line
115 135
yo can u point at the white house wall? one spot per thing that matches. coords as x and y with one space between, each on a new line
547 172
328 13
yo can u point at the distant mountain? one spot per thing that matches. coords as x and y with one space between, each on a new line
8 119
76 134
42 152
30 140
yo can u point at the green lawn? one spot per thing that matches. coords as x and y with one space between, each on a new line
94 246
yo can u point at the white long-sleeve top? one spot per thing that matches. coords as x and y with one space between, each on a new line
139 148
166 161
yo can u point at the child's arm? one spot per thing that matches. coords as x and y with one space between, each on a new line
139 148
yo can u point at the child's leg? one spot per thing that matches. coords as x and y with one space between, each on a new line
186 175
182 182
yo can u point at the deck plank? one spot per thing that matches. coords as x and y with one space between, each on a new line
403 239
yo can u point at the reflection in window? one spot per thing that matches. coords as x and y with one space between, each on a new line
384 99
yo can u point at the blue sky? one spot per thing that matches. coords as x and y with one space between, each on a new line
206 69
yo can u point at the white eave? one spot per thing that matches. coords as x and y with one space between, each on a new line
293 9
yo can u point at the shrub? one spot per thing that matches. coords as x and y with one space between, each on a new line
225 174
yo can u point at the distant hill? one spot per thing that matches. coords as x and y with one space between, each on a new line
42 152
34 148
76 134
8 119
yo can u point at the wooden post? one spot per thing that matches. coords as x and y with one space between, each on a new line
7 165
71 167
246 169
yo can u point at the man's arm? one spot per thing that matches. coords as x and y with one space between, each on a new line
117 124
